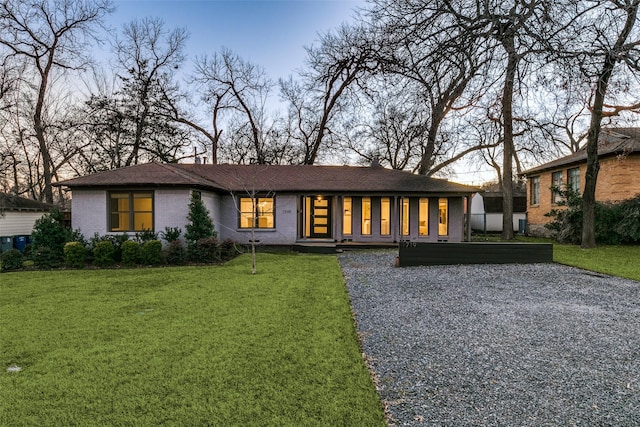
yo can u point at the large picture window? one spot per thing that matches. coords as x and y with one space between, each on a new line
131 211
257 212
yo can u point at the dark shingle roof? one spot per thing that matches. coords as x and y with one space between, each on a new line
10 202
611 142
282 178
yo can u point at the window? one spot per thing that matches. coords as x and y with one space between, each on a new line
443 217
385 216
556 183
366 215
534 197
423 217
131 211
404 217
257 212
573 181
347 210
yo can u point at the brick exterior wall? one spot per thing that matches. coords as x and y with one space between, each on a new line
618 179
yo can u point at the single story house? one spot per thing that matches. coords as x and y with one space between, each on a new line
486 211
282 205
618 178
18 215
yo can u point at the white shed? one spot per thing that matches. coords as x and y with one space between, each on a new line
18 216
486 212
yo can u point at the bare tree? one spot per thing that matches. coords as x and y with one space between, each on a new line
149 54
334 67
610 33
49 36
230 83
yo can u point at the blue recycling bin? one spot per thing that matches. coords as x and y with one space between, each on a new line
6 243
20 242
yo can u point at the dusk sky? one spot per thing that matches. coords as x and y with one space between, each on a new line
269 33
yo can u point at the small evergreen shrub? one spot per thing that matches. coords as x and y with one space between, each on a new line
228 249
151 252
171 234
205 250
103 253
130 252
74 254
46 258
11 260
116 240
176 253
200 225
146 236
50 232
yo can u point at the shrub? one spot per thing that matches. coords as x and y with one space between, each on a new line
615 223
171 234
200 225
228 249
11 260
151 252
130 252
49 232
146 236
74 254
116 240
103 253
176 253
46 258
205 250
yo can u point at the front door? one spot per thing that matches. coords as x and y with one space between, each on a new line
321 217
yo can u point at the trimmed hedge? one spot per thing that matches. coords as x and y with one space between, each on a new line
74 254
103 254
11 260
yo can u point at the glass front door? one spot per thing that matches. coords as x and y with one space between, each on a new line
320 217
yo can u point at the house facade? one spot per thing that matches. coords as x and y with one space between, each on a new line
618 177
18 216
278 205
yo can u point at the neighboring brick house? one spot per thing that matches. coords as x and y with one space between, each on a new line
618 178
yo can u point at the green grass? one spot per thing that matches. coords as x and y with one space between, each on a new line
184 346
622 261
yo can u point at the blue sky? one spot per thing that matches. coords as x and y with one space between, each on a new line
270 33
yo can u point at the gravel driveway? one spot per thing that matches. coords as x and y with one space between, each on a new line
508 345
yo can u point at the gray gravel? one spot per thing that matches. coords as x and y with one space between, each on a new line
508 345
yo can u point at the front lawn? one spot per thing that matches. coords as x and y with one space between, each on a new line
622 260
184 346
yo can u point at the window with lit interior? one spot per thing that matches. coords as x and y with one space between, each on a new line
130 211
257 212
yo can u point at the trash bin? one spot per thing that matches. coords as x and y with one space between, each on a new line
6 243
20 242
522 226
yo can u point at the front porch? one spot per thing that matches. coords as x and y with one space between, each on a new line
337 247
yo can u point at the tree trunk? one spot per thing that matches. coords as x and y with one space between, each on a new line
593 166
38 126
508 149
